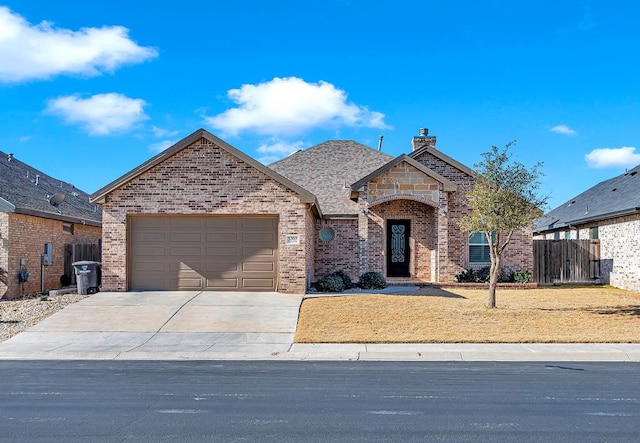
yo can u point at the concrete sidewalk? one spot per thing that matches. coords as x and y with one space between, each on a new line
240 326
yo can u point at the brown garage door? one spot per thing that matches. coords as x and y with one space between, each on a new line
203 253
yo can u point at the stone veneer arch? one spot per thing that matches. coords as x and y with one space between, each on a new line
417 198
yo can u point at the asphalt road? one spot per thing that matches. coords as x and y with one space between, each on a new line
319 401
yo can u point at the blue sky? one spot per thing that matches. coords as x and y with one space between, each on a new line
89 90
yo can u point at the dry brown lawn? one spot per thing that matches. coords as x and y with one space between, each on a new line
453 315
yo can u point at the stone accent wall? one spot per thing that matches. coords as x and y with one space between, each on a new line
403 180
342 253
26 236
205 179
423 236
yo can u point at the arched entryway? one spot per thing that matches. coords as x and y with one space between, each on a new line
403 239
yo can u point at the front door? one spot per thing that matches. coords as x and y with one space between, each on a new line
398 232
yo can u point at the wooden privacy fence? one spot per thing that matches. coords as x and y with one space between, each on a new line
78 252
566 261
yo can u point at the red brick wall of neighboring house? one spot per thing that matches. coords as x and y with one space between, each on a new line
341 253
26 236
205 179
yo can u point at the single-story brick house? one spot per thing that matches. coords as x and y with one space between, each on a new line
203 215
36 209
610 213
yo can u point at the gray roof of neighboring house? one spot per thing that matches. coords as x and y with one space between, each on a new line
328 170
25 190
615 197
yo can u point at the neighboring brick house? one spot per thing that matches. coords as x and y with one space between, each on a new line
203 215
609 212
36 209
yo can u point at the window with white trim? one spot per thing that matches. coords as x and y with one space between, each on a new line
479 248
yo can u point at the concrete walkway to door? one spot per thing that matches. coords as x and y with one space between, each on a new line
159 325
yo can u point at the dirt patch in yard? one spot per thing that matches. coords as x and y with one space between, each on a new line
457 315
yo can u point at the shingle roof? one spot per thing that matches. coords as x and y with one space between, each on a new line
614 197
329 169
26 190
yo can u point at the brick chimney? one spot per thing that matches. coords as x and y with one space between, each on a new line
423 139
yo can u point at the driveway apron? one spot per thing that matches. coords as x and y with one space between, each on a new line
163 325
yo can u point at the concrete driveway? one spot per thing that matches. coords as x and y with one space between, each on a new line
157 325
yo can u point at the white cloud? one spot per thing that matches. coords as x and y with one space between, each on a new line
563 129
25 138
625 157
41 51
160 132
100 114
161 146
291 106
276 149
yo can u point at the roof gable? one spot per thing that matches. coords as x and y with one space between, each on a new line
26 190
429 149
304 195
615 197
448 185
328 169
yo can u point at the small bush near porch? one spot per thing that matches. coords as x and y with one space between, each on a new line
452 315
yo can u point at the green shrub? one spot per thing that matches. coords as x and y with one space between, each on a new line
330 283
482 275
372 280
506 276
348 284
336 281
522 276
465 276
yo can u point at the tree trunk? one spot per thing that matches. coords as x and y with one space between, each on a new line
493 280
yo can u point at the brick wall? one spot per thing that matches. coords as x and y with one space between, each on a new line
342 253
4 253
619 246
26 238
205 179
310 241
455 256
519 253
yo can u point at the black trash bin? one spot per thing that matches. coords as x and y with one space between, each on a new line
87 276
